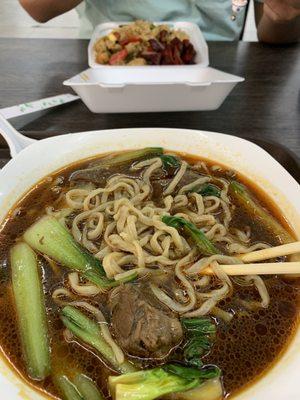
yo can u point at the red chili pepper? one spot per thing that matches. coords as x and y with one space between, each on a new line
117 57
132 39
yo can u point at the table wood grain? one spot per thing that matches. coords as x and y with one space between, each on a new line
266 106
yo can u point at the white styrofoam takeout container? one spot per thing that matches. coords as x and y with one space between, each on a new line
27 168
112 89
104 92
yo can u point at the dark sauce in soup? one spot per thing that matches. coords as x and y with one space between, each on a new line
244 348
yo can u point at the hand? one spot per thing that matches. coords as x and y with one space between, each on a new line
281 11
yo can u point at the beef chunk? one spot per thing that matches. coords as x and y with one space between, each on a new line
143 327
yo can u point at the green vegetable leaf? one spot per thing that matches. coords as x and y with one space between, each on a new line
208 190
170 161
195 348
195 362
189 373
184 372
175 222
206 247
200 325
210 372
200 333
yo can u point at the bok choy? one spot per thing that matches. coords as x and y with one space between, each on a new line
200 333
245 199
130 156
79 388
31 312
67 389
90 333
95 173
205 246
153 383
169 161
208 390
207 189
87 388
51 238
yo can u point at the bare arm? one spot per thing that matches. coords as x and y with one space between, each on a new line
43 10
278 21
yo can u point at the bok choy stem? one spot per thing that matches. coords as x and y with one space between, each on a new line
50 237
31 312
117 160
154 383
87 388
67 389
89 332
79 388
208 390
245 199
130 156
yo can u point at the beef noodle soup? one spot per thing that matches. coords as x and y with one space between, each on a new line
112 283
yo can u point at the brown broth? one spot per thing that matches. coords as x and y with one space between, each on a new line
244 349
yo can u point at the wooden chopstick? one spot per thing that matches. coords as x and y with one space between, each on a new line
284 268
272 252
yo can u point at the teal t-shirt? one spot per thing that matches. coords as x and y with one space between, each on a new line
212 16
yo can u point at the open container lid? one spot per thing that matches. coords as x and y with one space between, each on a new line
114 78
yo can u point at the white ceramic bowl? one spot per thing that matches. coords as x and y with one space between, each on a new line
43 157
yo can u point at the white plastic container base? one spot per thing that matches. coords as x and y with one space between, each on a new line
106 92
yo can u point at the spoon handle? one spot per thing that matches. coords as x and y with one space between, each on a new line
37 105
15 140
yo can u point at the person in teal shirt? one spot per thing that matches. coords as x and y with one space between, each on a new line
212 16
278 21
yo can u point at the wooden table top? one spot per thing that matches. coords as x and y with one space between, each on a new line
266 106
